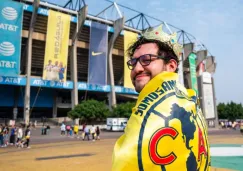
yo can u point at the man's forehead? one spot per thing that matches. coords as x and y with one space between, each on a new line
147 48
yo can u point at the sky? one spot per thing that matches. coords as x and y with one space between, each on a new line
218 24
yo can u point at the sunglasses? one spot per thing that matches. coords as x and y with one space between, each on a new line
144 60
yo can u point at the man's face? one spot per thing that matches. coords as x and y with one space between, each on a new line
141 75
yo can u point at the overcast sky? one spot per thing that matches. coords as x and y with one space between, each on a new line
218 24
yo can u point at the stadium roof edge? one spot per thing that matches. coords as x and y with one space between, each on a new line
49 5
186 36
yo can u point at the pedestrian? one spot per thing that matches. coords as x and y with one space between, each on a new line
1 136
19 136
68 127
35 124
48 128
71 132
27 137
166 130
241 127
92 131
5 136
97 133
86 133
84 125
63 129
75 130
12 135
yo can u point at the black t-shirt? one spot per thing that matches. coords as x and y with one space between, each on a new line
26 132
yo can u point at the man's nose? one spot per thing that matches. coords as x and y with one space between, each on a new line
138 67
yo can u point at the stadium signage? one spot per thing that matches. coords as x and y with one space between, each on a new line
13 80
38 82
11 16
8 27
105 88
51 84
45 12
7 64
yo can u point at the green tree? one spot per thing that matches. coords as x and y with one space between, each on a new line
123 110
230 111
221 108
90 110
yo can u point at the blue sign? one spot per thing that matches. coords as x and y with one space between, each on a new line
105 88
38 82
43 11
21 81
93 87
11 16
35 82
123 90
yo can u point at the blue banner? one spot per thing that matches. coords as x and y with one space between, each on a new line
98 47
11 16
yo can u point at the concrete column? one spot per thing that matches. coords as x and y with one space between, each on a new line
215 105
201 55
74 92
188 48
28 63
81 19
16 99
180 70
118 27
54 108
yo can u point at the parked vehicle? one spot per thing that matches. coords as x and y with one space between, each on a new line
116 124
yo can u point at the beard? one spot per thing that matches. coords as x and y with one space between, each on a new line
140 82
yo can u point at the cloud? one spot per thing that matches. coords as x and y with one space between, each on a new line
154 3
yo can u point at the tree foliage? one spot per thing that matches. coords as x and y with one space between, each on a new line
90 110
123 110
230 111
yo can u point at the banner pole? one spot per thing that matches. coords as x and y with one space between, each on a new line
29 62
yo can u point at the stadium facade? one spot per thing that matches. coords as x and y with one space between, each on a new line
28 95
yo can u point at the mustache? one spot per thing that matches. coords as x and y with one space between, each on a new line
141 73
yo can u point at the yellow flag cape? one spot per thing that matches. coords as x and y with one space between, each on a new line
166 131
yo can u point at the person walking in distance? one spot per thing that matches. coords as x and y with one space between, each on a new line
97 133
27 137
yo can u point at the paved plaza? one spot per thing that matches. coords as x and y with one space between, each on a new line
55 152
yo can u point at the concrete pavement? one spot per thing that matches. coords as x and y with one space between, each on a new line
55 152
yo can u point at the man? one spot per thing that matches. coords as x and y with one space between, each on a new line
86 133
166 130
48 69
92 131
55 72
27 137
1 136
75 130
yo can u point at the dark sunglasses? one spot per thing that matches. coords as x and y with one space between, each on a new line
144 60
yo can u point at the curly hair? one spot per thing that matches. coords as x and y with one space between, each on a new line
164 49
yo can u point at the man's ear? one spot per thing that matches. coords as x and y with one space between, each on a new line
171 66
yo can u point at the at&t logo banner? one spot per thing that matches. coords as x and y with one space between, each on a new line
11 16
